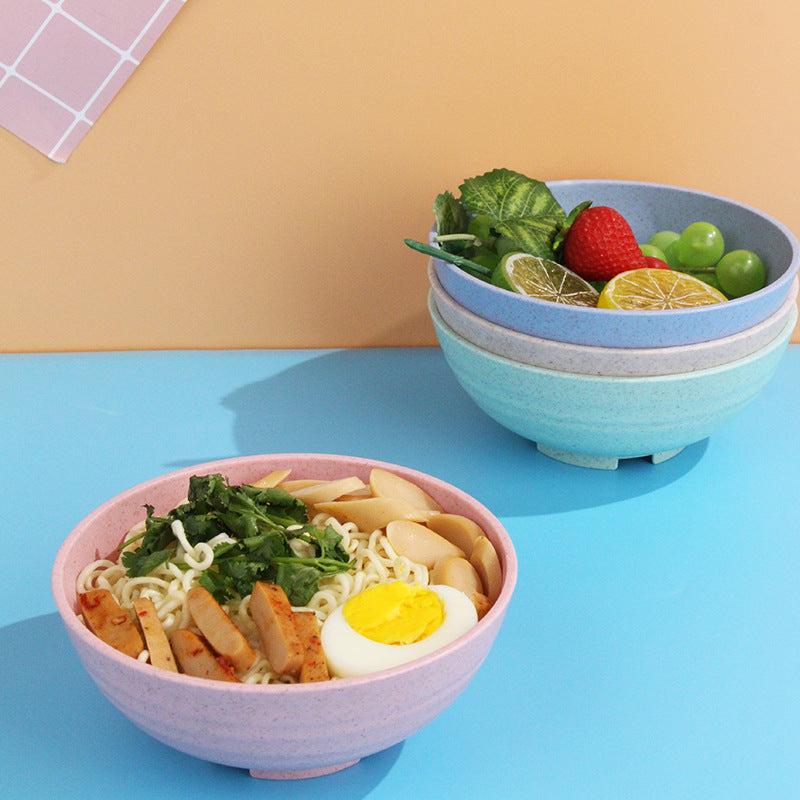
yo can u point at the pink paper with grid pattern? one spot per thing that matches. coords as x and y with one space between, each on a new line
63 61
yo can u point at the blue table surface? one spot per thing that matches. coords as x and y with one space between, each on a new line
651 649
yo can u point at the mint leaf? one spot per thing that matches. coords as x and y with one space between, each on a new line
534 235
520 208
451 217
503 194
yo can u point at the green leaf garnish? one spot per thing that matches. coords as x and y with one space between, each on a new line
521 208
263 523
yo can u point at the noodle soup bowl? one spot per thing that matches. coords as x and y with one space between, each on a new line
275 731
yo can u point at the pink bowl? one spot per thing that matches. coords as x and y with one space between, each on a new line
281 732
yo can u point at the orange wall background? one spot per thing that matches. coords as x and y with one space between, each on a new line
252 183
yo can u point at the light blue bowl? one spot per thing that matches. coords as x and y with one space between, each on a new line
594 421
649 208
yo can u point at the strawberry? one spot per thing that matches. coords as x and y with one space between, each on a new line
600 244
655 263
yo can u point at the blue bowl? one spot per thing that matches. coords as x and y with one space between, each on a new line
648 207
594 421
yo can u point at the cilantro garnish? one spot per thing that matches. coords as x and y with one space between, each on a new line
259 521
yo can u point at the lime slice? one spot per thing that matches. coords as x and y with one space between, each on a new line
544 279
654 289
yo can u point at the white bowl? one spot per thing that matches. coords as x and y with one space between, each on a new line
620 361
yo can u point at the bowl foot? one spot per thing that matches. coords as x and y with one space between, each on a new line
595 461
657 458
299 774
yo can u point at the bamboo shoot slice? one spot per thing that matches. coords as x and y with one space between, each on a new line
105 618
299 483
481 603
387 484
459 530
373 513
272 480
329 490
484 559
458 572
419 543
154 636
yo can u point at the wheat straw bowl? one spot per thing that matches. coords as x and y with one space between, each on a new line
649 208
609 361
279 732
596 420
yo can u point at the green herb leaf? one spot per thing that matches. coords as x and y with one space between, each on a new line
533 235
451 217
262 522
521 208
138 563
299 581
561 236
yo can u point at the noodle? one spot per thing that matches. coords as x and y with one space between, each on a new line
374 562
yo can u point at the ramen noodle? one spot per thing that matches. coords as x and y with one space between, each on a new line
374 562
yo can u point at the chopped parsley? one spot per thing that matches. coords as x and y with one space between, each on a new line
263 522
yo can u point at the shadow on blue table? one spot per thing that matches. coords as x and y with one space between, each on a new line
62 738
410 410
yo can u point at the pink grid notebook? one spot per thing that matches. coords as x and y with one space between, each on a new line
62 62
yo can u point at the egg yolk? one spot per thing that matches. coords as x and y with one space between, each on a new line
394 613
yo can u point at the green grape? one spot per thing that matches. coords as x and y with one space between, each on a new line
486 257
504 245
741 272
663 239
671 255
652 250
711 279
700 245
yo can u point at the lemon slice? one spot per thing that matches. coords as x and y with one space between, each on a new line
646 289
544 279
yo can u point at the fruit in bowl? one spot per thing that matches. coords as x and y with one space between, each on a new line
187 600
761 250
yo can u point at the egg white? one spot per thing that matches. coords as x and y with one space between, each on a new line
349 653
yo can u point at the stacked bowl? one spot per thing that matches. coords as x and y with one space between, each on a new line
592 386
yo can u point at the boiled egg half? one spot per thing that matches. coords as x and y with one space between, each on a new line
391 624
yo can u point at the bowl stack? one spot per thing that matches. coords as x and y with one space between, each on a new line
592 386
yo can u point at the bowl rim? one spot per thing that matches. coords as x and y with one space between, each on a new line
778 341
782 279
521 336
76 628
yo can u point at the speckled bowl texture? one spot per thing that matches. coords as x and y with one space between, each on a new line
649 208
594 421
617 361
281 732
